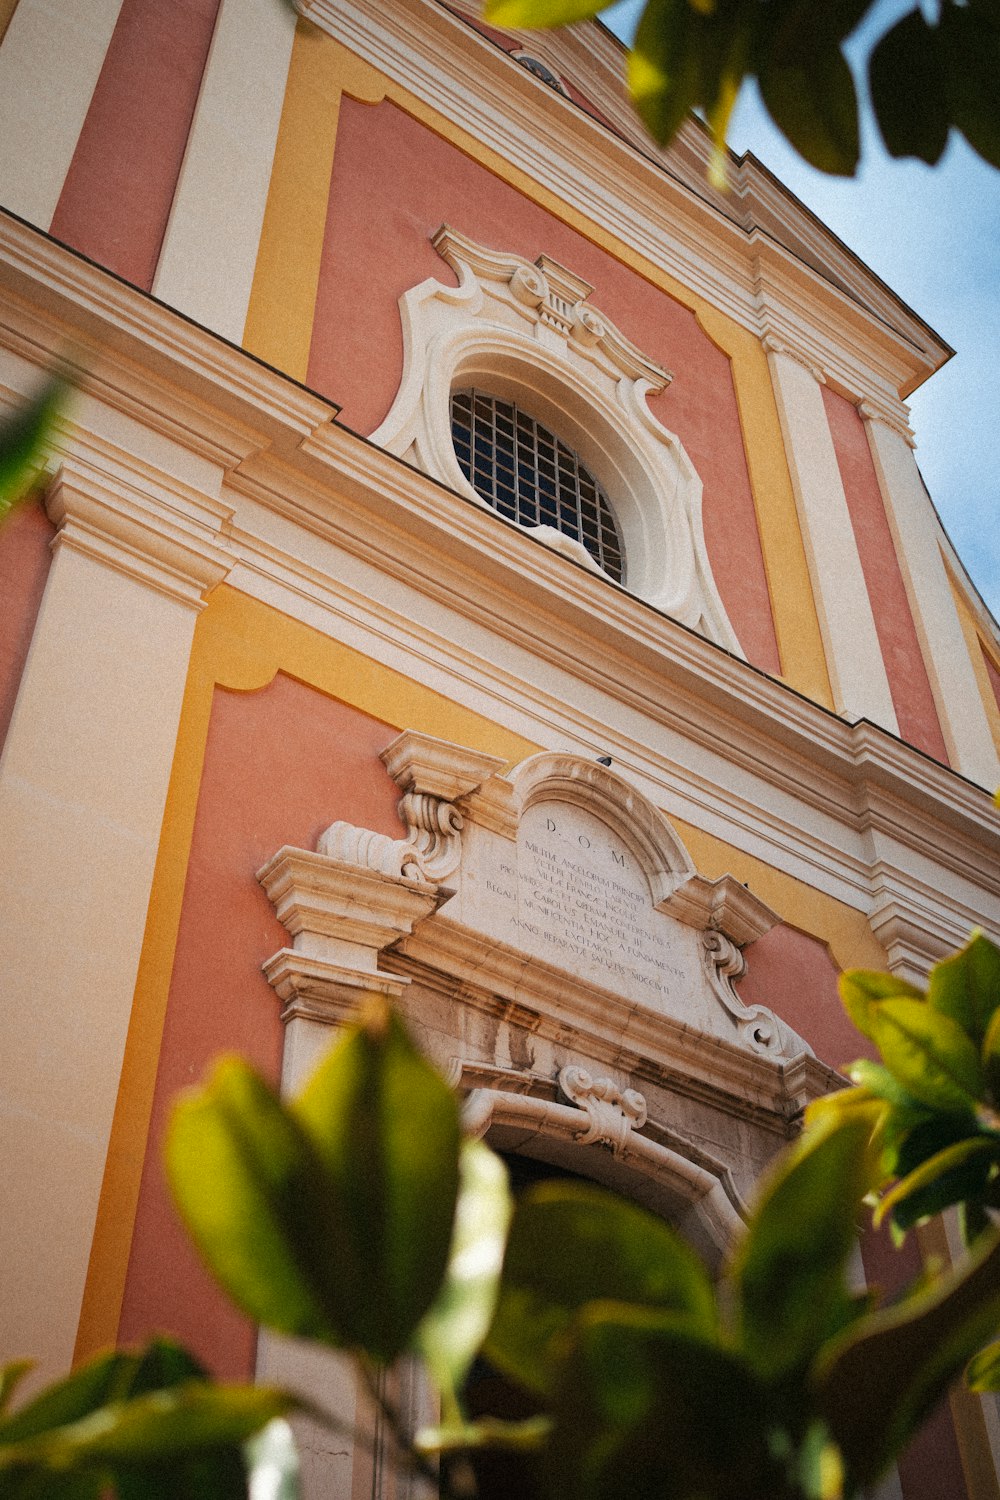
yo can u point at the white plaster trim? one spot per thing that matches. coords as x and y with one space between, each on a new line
50 61
916 534
207 260
853 654
527 332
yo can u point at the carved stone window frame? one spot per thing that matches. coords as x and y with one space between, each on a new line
525 332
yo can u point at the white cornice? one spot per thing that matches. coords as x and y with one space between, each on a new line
431 52
448 593
141 356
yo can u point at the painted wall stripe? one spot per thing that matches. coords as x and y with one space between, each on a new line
116 199
206 265
83 780
909 683
41 116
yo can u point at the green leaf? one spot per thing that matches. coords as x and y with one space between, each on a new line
844 1106
970 54
861 989
966 986
983 1371
453 1330
106 1378
789 1269
385 1126
991 1056
154 1427
809 93
257 1202
906 86
959 1171
877 1079
24 439
537 14
650 1407
929 1054
272 1462
877 1383
571 1244
10 1378
527 1435
665 65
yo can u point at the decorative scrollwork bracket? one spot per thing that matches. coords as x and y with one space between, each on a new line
612 1113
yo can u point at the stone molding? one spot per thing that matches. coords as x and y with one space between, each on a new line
135 533
432 775
527 332
353 901
702 1203
363 892
758 1026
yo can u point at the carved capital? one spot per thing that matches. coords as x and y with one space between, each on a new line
140 534
775 345
894 415
612 1113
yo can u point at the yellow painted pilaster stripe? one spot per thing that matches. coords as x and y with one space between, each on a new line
279 322
241 645
975 646
286 276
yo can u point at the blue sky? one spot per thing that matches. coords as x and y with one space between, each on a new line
933 234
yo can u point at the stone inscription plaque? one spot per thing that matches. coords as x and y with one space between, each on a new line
577 898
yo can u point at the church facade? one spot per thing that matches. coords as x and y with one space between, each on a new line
484 563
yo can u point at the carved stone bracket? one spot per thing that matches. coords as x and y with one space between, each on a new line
759 1027
361 890
612 1113
432 775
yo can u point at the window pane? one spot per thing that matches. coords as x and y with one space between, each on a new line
523 471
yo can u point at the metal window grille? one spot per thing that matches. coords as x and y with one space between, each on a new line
527 474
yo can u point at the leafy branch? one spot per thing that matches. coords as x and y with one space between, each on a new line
354 1215
924 76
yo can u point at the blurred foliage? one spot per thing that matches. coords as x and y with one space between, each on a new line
354 1215
925 75
24 440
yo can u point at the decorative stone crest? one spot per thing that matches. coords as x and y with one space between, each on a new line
526 331
612 1113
